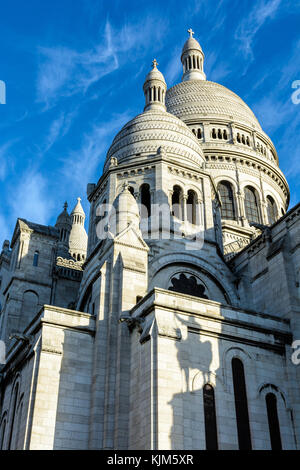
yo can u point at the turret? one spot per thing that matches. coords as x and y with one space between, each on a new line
192 59
155 89
78 236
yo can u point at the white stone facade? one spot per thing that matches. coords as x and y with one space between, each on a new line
190 275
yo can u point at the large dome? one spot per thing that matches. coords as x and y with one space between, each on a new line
153 130
202 98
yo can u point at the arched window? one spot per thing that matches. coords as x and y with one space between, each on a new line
219 134
199 133
241 405
145 201
210 421
36 258
20 411
13 415
213 134
191 207
225 136
177 202
30 303
226 195
2 432
271 210
251 205
238 137
187 284
275 438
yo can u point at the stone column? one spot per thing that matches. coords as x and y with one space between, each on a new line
241 205
254 139
199 212
184 207
232 132
206 135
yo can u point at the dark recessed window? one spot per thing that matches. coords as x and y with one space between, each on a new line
251 205
271 210
145 201
36 258
188 285
226 195
210 421
241 405
191 207
275 438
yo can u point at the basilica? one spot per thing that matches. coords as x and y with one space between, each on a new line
172 323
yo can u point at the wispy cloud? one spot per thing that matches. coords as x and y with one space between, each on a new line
80 165
58 129
31 198
246 31
173 67
64 72
6 158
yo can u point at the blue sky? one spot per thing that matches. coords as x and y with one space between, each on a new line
74 71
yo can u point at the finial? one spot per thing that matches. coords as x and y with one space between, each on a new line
191 32
79 199
125 186
65 205
154 63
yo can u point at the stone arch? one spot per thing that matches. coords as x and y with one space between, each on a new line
283 411
252 204
244 356
272 209
198 380
228 178
29 309
228 199
189 260
12 410
3 430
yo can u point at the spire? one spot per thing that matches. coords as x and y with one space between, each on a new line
78 236
78 214
192 59
155 89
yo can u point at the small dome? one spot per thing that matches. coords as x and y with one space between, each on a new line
155 89
191 44
155 74
127 211
64 218
142 136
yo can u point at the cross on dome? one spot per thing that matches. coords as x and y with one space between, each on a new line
154 63
191 32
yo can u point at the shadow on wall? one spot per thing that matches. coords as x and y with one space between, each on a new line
221 405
